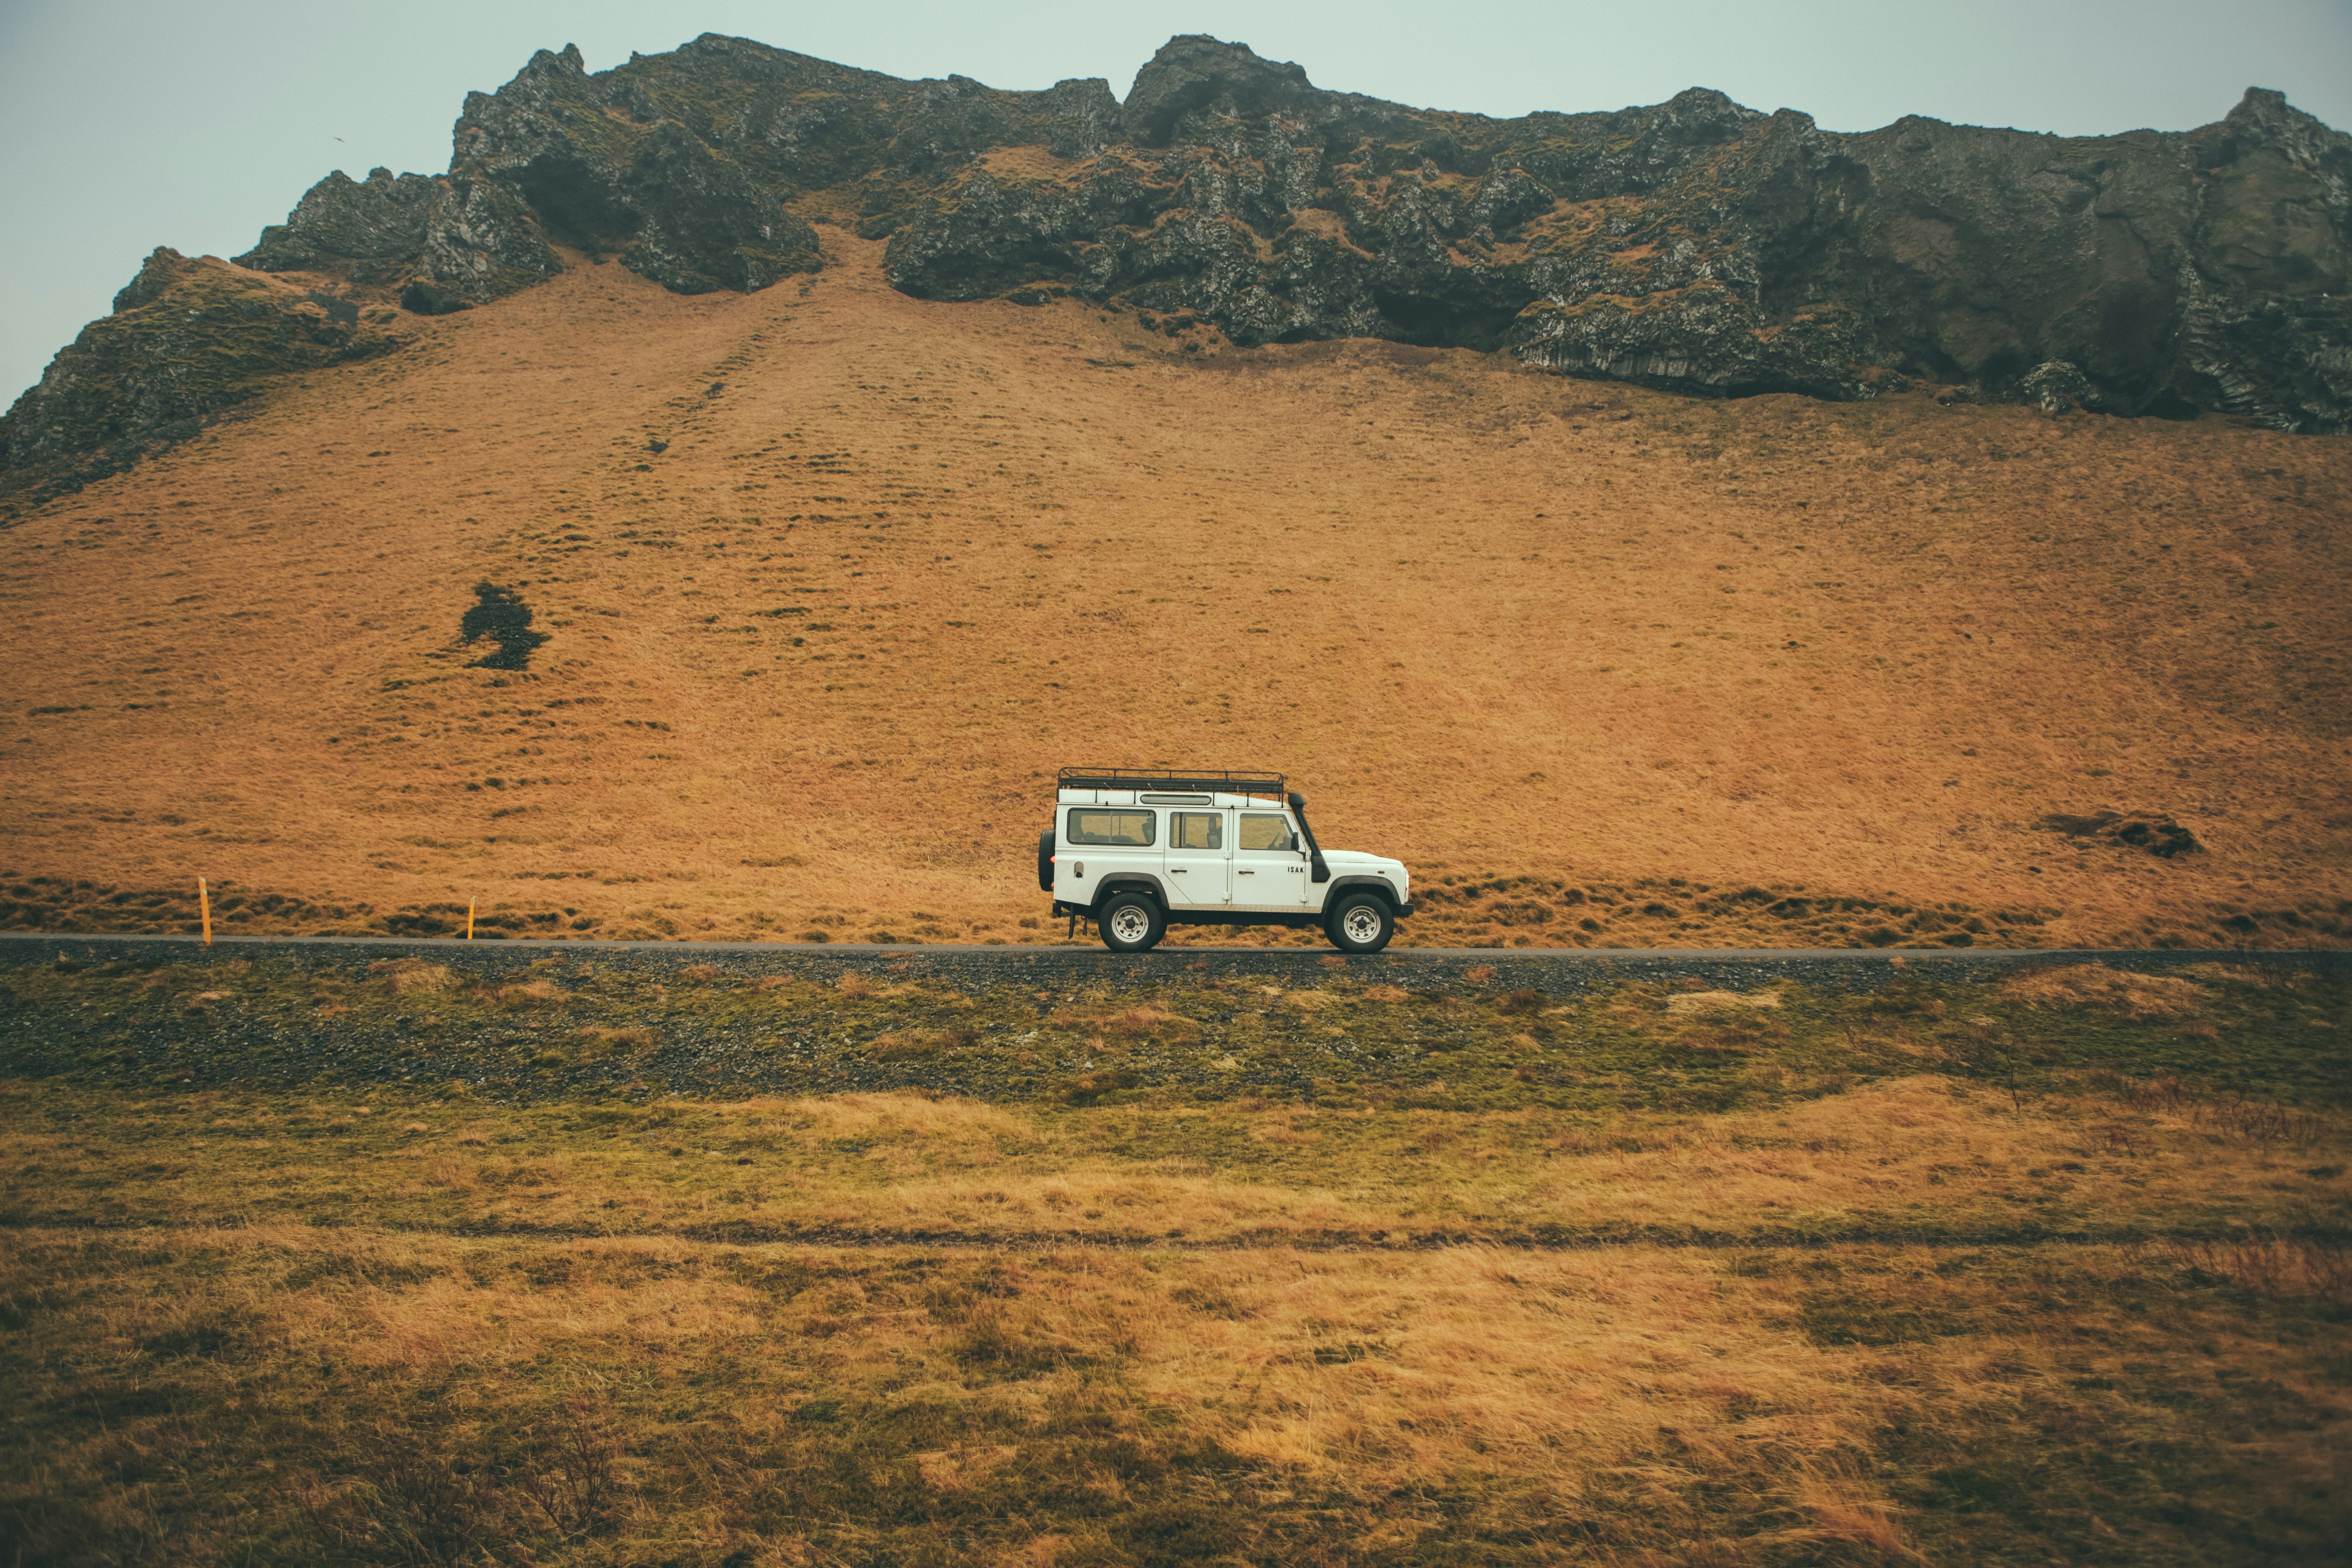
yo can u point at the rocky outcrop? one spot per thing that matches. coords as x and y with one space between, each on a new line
2058 387
541 164
187 339
1695 245
684 166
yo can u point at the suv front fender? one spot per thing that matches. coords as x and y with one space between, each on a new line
1379 885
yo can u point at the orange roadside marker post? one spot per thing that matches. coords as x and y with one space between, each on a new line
204 909
469 919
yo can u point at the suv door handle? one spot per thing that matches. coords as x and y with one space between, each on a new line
1175 871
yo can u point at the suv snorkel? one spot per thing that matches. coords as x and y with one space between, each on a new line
1319 872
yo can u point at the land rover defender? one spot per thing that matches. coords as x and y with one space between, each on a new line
1136 850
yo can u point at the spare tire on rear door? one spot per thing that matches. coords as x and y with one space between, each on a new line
1045 861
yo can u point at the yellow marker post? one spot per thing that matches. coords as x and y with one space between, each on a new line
205 908
469 919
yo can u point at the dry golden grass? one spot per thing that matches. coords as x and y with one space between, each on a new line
1904 1158
1721 1001
2118 991
1936 1272
1034 1400
811 666
409 976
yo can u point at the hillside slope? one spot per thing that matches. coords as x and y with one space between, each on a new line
831 579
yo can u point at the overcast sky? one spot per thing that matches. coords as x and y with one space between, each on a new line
134 123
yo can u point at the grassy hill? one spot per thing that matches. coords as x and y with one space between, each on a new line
830 580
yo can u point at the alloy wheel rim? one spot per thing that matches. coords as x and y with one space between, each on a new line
1128 924
1361 925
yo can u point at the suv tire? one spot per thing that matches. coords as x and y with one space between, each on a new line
1131 922
1360 922
1045 861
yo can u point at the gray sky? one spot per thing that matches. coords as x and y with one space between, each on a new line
134 123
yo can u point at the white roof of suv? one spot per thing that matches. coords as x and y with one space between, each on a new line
1208 802
1170 786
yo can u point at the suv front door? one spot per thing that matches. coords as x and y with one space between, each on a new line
1199 862
1269 872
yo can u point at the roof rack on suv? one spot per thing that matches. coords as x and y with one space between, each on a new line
1247 781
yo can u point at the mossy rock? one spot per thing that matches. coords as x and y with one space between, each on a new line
187 339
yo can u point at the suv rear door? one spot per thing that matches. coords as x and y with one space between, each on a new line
1200 859
1098 842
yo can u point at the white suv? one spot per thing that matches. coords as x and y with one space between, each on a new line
1136 850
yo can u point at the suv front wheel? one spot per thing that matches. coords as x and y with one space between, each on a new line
1130 922
1362 922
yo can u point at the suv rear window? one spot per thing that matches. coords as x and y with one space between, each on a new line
1197 830
1126 829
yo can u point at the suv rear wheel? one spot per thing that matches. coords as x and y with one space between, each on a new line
1362 922
1130 922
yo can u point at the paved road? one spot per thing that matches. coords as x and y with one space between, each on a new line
1552 970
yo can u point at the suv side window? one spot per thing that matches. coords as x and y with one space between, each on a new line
1196 831
1122 829
1265 830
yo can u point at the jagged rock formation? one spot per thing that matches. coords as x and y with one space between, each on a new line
681 164
1695 245
187 339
